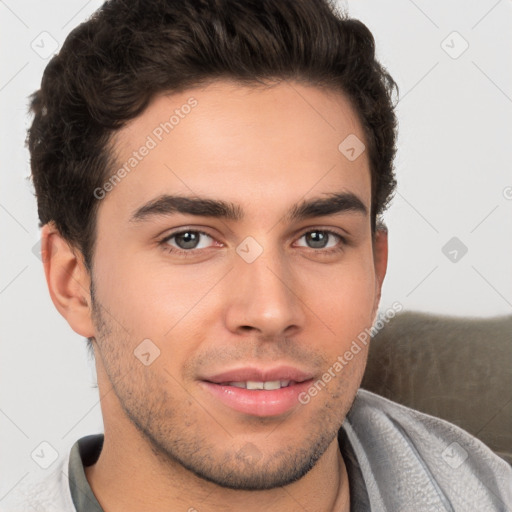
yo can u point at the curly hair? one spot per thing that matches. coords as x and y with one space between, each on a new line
112 65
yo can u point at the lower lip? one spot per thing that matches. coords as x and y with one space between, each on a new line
259 402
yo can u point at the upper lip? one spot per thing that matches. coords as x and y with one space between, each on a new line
251 373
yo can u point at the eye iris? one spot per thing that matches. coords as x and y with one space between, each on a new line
187 240
317 239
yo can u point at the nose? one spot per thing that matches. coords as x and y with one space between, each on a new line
264 296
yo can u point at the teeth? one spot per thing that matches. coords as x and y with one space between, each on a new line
258 385
238 384
252 384
272 384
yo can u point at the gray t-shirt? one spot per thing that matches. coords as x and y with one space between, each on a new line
398 460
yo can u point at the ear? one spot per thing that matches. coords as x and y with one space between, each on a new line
68 280
380 259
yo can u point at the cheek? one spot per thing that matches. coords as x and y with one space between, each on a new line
342 299
152 298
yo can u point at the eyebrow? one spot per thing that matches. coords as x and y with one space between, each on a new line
164 205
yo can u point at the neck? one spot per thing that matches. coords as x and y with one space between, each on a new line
135 480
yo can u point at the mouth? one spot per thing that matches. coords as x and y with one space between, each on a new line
258 392
260 385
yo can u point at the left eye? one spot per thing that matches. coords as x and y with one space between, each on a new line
320 239
189 240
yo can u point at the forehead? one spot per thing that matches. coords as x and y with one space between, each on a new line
244 144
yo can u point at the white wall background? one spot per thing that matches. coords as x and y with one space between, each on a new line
454 180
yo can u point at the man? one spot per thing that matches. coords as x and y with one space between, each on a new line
210 180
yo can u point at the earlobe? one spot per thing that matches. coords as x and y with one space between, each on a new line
68 280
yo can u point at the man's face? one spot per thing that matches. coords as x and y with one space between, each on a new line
184 322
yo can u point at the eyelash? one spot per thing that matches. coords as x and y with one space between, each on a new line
190 252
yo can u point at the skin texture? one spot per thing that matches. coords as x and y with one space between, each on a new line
169 444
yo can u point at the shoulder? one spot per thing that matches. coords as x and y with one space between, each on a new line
50 493
411 455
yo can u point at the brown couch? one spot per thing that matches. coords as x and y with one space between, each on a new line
458 369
